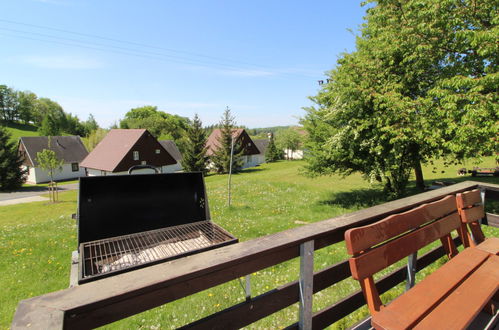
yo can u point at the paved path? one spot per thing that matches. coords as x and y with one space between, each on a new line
32 191
23 200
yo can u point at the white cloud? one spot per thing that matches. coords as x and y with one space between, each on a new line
61 62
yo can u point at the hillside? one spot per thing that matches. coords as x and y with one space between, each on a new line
19 130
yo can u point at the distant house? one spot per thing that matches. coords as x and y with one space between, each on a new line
123 148
68 148
172 149
240 136
262 145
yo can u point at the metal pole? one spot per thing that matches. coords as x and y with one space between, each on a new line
306 284
230 165
411 270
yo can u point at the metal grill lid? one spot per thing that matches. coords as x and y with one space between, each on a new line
110 206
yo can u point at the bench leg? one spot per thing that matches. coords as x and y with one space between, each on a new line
449 246
411 270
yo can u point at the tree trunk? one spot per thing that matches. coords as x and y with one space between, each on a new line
418 171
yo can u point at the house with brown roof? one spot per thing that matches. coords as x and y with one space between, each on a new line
70 149
123 148
240 137
173 150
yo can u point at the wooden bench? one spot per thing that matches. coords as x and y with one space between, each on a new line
450 297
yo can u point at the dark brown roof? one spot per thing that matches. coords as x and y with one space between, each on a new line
261 144
114 152
68 148
172 149
238 134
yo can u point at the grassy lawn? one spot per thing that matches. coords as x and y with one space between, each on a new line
36 240
20 130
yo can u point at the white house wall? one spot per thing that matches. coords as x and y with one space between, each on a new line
37 175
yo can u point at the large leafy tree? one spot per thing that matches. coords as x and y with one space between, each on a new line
11 175
8 104
194 155
222 155
289 140
421 84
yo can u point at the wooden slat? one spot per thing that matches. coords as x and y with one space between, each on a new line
493 220
468 198
405 311
362 238
270 302
347 305
472 214
467 300
383 256
490 245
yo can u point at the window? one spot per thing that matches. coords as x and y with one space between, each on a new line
158 151
75 167
135 155
143 162
249 144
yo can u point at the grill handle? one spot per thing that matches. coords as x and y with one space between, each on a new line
139 167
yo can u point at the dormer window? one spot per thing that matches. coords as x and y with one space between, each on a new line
135 155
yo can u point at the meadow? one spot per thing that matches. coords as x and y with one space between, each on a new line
36 240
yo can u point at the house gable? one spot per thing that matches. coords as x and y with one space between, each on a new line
70 149
147 147
241 137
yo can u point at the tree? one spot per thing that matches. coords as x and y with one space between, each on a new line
420 85
27 106
194 155
221 156
49 126
8 104
48 161
93 139
272 154
290 140
11 175
91 124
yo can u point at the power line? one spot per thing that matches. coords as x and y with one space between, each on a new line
178 58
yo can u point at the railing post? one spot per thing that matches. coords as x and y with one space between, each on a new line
306 284
248 287
412 261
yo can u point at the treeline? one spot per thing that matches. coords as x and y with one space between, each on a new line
27 108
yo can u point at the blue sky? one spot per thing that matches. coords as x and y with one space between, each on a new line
260 58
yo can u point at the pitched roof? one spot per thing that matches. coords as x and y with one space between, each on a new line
111 150
172 149
239 134
68 148
261 144
213 144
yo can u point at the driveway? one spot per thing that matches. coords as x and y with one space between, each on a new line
33 191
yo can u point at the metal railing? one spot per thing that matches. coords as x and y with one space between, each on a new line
111 299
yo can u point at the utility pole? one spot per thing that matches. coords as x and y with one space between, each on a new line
230 167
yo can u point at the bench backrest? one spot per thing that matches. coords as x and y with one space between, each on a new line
471 210
379 245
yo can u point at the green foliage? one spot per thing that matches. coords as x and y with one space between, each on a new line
8 104
93 139
422 84
49 126
27 106
157 122
11 175
272 154
194 156
221 156
288 139
48 161
91 124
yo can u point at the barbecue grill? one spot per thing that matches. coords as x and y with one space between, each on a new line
127 222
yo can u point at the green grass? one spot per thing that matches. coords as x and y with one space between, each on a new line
46 184
36 241
20 130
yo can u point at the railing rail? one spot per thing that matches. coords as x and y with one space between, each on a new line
108 300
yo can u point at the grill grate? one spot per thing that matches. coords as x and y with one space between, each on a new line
121 253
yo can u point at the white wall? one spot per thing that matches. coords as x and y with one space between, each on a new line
259 159
171 168
297 154
37 175
250 161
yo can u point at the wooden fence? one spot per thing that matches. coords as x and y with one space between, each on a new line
101 302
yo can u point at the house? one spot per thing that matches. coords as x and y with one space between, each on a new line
172 149
68 148
262 145
123 148
240 136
